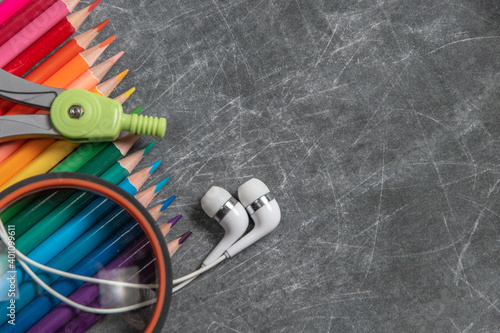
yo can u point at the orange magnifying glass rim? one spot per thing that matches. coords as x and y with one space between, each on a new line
73 180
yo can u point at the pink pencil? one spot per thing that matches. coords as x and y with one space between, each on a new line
9 8
39 26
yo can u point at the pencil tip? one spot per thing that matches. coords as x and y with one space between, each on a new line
137 111
173 221
154 166
148 148
101 25
120 76
129 92
160 185
167 203
92 6
184 237
106 42
116 56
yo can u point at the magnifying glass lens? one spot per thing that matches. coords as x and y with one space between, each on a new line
96 261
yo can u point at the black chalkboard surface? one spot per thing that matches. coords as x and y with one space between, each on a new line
374 123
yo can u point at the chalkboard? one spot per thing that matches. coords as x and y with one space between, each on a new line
375 125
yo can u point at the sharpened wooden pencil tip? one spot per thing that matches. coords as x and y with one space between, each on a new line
123 97
120 76
106 42
93 5
101 25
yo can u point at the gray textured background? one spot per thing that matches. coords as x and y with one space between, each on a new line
375 125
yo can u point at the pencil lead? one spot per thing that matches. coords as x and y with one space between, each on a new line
174 245
174 221
124 96
148 148
183 238
154 166
120 76
167 226
137 111
167 203
93 5
101 25
160 185
106 42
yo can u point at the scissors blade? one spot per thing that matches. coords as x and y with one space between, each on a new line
25 92
27 126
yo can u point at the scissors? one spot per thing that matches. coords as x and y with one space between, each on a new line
75 114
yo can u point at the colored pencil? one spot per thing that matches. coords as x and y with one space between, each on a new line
88 292
65 255
9 7
22 18
39 26
60 79
28 151
32 312
25 213
61 213
21 65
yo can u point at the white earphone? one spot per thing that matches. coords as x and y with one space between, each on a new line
221 206
260 204
218 203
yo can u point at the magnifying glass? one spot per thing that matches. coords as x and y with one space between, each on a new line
105 266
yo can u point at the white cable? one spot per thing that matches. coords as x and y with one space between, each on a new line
182 285
21 258
82 277
78 305
201 270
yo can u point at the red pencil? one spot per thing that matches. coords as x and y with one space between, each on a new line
33 31
22 17
49 41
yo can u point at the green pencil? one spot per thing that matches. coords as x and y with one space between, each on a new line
70 207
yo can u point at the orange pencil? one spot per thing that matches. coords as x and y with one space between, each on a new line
35 147
55 61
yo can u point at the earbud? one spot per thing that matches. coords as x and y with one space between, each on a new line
262 208
220 205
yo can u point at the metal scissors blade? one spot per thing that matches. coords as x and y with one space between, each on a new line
25 92
27 126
